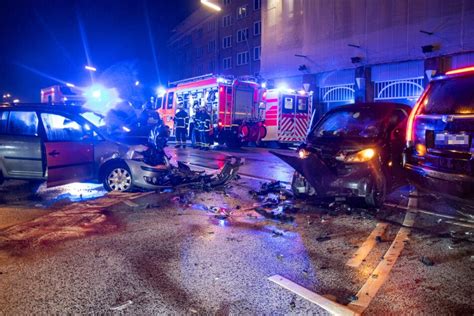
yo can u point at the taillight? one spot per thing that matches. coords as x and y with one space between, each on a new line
414 112
460 70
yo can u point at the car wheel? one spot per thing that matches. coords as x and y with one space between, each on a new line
377 194
118 177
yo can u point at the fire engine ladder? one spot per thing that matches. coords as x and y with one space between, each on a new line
207 76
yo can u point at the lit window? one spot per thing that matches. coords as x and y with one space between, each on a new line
242 58
242 12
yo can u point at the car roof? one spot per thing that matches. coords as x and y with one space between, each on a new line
387 106
59 108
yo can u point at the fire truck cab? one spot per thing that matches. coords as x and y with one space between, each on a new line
231 103
287 115
62 94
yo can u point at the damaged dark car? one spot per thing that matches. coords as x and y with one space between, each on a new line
352 154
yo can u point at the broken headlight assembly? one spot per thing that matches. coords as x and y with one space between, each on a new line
358 157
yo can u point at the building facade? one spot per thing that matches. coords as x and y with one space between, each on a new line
364 50
225 42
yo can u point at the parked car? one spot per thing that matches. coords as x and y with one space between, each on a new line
353 153
440 130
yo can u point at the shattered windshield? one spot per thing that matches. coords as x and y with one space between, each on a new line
363 123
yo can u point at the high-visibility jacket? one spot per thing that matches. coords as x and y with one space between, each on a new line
181 119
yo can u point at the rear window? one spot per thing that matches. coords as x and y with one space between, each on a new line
451 96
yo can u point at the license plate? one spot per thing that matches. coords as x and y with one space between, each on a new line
446 139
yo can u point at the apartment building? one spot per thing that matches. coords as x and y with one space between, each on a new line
225 42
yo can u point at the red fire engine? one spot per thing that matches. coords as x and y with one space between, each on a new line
231 103
287 114
62 94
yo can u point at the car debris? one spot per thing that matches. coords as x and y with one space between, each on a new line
427 261
121 306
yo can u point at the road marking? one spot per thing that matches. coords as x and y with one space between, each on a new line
367 246
321 301
378 277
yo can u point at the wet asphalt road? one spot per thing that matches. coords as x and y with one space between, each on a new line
164 254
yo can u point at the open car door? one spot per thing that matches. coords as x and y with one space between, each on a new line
69 150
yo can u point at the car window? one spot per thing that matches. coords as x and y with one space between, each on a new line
23 123
363 123
3 122
60 128
451 96
288 104
170 100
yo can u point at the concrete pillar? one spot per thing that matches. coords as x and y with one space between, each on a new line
318 107
363 87
436 65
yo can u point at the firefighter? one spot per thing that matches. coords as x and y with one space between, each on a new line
181 122
205 120
197 127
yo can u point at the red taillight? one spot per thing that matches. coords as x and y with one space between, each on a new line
460 70
414 112
220 123
264 95
221 89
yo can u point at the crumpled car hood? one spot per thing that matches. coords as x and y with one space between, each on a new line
312 168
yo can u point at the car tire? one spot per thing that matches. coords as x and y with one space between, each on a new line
117 177
378 193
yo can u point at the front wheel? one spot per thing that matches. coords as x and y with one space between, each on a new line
117 178
378 192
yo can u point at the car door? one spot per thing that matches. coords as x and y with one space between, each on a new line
69 150
20 145
287 119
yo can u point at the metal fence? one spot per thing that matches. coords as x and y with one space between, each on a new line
410 89
337 93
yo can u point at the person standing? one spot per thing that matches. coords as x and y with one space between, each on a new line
198 124
205 129
181 122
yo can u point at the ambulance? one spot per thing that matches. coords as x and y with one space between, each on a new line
62 94
287 115
231 103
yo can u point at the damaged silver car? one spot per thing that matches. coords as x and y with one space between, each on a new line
60 145
353 152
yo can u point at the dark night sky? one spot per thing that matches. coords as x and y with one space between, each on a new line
44 36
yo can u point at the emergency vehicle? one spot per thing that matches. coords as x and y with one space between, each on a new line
286 114
62 94
231 103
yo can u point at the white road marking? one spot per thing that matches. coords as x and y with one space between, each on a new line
367 246
321 301
378 277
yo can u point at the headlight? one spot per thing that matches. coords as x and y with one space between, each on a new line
360 156
303 153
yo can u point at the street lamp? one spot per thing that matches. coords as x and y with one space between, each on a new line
211 5
90 68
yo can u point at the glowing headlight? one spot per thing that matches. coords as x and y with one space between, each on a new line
361 156
303 153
